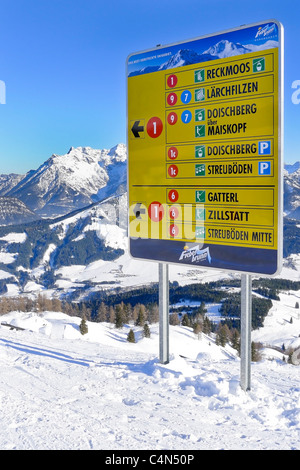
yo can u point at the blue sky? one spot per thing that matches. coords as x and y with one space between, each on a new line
63 63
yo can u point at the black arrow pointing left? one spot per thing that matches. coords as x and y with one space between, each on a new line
136 129
138 210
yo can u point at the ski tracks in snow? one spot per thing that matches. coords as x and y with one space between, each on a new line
68 394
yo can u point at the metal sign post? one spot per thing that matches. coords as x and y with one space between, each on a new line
163 313
246 308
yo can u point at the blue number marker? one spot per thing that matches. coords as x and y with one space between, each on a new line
186 116
186 96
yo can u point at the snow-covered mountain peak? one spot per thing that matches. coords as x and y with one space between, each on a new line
119 153
78 169
107 156
185 57
226 48
67 182
182 57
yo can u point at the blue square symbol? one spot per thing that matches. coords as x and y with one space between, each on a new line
264 168
264 147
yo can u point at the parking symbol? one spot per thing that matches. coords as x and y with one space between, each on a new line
264 147
264 168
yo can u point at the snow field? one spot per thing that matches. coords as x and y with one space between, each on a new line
62 390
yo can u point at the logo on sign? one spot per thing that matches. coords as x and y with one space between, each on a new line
196 255
264 168
266 30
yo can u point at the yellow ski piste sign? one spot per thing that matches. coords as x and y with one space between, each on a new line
204 151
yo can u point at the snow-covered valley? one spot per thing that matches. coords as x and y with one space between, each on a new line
63 390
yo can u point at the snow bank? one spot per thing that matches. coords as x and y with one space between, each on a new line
61 390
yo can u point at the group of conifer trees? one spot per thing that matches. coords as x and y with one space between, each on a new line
26 304
123 313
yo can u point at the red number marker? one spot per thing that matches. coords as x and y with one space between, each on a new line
155 211
173 230
154 127
173 171
173 153
172 81
173 212
172 118
172 99
173 195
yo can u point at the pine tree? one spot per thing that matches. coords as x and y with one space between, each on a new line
140 321
86 312
56 305
40 303
206 326
154 314
173 319
197 329
101 313
222 336
29 305
255 354
66 308
127 312
48 305
119 320
185 320
235 339
83 326
135 312
146 331
21 304
112 314
131 337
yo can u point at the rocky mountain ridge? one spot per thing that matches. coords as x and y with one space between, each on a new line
292 191
67 182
